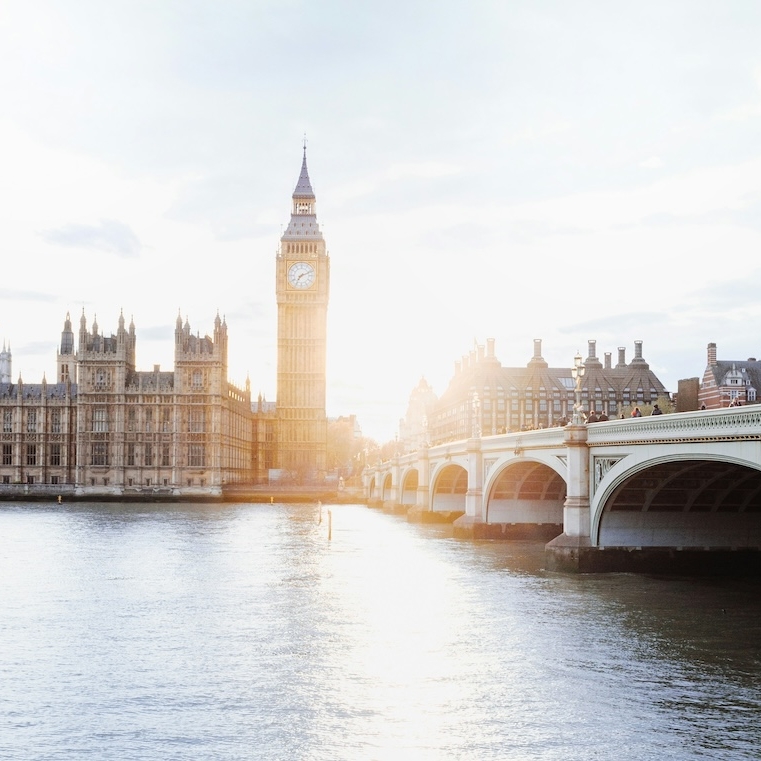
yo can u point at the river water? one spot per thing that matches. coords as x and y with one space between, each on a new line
244 632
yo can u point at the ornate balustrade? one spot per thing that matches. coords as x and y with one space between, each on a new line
735 424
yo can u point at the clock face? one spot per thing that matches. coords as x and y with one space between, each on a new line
301 275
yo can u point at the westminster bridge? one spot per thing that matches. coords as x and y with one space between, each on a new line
670 492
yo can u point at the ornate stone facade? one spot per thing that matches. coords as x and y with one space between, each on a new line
108 429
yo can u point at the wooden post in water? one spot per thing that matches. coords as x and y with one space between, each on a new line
330 525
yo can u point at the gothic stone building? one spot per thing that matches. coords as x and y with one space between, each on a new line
105 428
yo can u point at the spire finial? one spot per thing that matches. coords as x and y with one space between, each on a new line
304 144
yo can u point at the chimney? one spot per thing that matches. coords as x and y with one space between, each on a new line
591 360
621 356
481 353
711 354
457 367
638 359
490 348
607 360
537 348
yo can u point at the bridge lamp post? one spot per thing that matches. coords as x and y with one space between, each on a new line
577 373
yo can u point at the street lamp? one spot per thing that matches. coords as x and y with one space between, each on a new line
577 373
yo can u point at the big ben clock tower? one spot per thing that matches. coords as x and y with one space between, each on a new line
302 285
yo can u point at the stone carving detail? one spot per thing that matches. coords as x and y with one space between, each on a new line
602 466
488 465
563 461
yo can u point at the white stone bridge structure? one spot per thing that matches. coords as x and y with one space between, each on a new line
670 492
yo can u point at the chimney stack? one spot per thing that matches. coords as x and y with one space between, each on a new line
490 348
621 356
607 360
638 359
591 360
712 354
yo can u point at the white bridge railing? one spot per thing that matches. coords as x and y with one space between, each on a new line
737 423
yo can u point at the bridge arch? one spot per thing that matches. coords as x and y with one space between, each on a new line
387 490
704 500
525 490
448 488
409 487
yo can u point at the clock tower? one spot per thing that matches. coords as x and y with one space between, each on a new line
302 274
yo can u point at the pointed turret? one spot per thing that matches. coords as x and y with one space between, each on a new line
5 364
66 359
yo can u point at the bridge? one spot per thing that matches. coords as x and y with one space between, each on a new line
670 492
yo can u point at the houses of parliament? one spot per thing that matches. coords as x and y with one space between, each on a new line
103 427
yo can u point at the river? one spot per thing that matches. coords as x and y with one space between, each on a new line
133 631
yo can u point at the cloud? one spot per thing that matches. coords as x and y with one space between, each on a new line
617 324
731 294
654 162
156 332
527 230
10 294
109 235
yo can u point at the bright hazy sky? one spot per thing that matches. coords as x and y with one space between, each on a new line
517 170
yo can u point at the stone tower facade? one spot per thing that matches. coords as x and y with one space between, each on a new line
302 288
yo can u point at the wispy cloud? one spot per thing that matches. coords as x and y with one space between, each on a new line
654 162
108 235
11 294
620 324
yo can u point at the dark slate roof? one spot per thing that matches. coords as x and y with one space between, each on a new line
750 370
35 390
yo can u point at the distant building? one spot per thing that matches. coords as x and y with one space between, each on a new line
485 398
414 426
727 382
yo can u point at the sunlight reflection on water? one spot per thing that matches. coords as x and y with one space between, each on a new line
240 631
